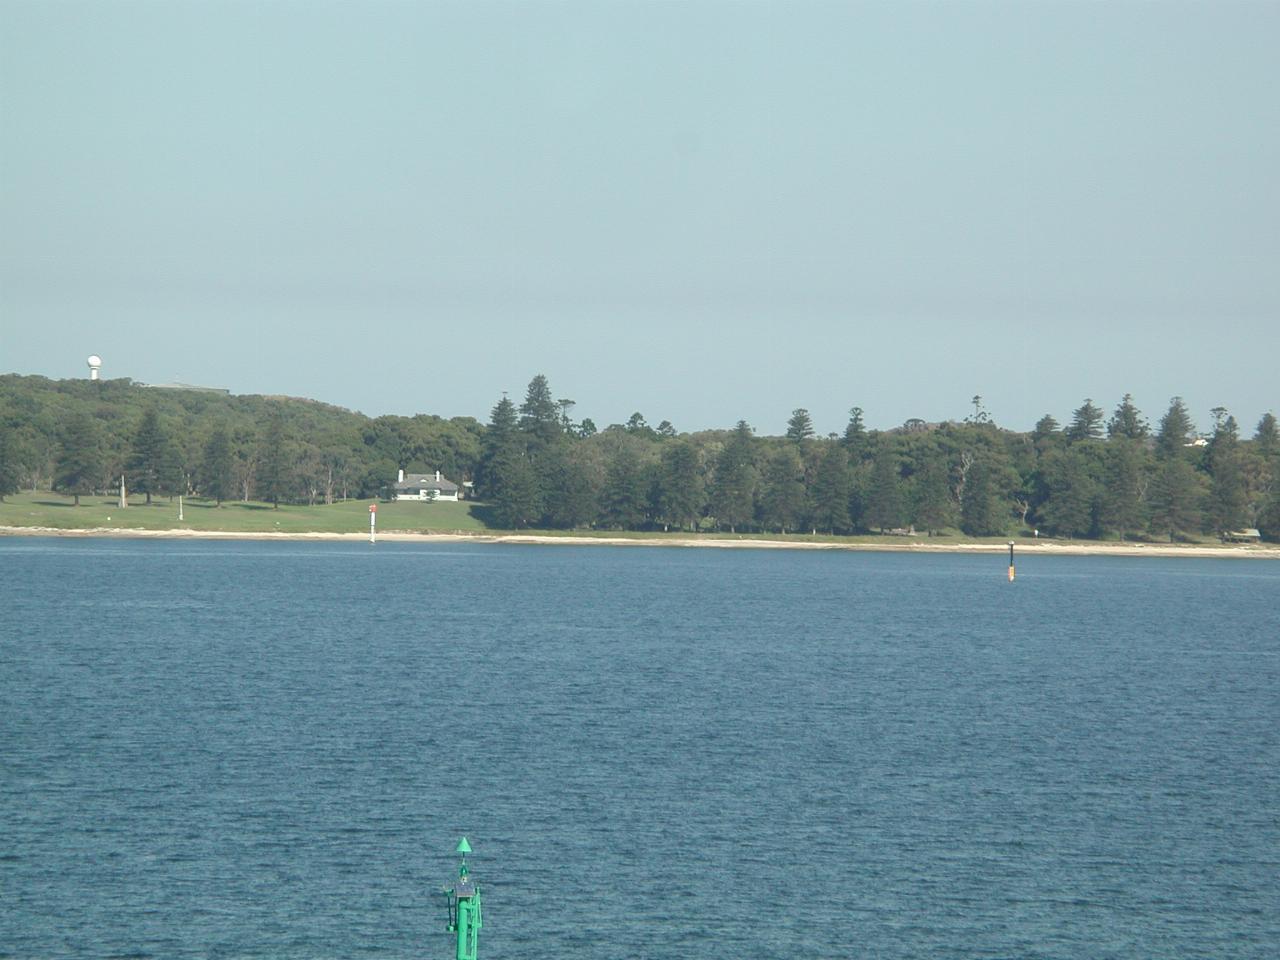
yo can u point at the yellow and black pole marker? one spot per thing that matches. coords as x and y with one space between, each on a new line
1011 561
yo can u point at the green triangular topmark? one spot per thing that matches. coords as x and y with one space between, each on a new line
463 846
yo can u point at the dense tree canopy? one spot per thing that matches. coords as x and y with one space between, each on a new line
533 466
333 453
10 469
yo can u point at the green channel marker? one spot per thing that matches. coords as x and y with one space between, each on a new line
464 907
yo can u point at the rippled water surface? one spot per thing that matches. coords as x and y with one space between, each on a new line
270 750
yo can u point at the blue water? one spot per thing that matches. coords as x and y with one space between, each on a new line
270 750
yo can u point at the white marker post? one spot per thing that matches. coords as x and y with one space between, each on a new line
373 523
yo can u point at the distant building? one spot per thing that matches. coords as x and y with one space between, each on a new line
1251 535
184 386
425 486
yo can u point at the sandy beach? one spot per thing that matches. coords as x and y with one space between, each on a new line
1042 546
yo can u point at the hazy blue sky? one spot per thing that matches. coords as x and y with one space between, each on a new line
702 211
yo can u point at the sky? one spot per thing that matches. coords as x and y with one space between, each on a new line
701 211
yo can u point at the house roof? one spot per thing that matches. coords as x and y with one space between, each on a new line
426 481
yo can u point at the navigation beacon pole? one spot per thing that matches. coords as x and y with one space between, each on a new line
1011 561
464 908
373 523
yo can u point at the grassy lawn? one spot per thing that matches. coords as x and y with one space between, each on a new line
44 509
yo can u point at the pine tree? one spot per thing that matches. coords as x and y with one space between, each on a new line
680 487
507 476
150 456
1265 473
855 436
81 464
273 463
575 501
539 414
1175 431
517 500
859 484
799 427
1227 504
1046 426
981 513
934 508
1269 516
217 467
625 495
1086 423
1176 493
8 462
1046 435
501 435
829 496
1267 436
1073 489
1127 422
884 495
502 421
173 471
782 494
734 488
1122 500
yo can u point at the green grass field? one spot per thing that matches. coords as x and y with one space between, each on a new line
44 509
51 510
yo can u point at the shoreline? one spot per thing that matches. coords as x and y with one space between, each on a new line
1042 547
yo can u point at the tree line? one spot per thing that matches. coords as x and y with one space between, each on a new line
78 437
1096 477
533 465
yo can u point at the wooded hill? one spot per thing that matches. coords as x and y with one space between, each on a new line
79 436
1099 476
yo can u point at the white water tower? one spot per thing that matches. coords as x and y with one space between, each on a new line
95 364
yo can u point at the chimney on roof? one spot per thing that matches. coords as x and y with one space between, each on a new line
400 479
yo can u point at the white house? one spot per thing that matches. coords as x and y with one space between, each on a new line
425 486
